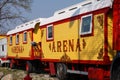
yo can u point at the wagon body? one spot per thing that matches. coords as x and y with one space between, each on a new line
78 34
3 47
80 39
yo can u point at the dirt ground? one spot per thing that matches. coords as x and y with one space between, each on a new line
19 74
16 74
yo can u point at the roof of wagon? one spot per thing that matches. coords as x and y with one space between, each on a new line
25 26
80 8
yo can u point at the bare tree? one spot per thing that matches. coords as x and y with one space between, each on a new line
11 13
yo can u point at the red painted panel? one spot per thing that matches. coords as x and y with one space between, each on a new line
95 74
116 25
20 58
52 68
96 62
106 58
3 59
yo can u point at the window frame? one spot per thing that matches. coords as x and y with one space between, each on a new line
24 37
10 39
91 25
48 39
3 48
17 38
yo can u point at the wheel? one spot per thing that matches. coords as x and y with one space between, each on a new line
29 66
35 66
61 71
0 64
115 70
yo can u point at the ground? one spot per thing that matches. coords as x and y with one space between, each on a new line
19 74
16 74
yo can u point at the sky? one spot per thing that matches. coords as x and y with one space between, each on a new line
46 8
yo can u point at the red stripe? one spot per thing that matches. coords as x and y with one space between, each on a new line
106 57
77 61
116 25
21 58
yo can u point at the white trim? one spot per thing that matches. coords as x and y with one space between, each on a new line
83 33
48 33
83 7
25 26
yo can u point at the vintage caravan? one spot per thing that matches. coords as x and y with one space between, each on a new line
20 39
2 36
3 51
81 39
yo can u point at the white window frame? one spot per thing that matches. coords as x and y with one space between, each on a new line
24 36
48 33
3 47
10 39
17 38
89 32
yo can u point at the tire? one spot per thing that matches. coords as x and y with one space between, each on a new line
115 69
29 67
61 71
0 64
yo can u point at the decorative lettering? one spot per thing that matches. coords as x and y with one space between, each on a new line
84 43
17 49
100 20
53 47
50 46
100 54
71 45
37 50
65 46
59 46
78 45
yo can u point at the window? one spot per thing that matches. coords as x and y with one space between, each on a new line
86 25
17 38
25 37
10 39
2 47
50 32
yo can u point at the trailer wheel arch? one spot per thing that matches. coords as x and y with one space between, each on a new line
61 68
115 69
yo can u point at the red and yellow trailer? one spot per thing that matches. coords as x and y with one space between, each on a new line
19 42
80 39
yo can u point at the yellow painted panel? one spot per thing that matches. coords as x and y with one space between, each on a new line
37 34
2 36
67 41
111 52
20 50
